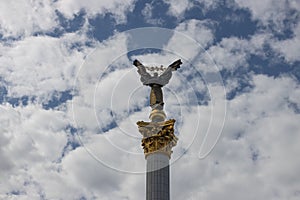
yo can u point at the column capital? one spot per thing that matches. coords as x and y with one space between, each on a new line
158 136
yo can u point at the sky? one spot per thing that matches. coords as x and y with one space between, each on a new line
70 97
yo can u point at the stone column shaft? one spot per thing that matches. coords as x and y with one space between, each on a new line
158 140
157 178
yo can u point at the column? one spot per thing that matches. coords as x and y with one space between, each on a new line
158 140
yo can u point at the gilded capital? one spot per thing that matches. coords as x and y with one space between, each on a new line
158 136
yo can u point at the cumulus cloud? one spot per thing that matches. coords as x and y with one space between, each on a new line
49 64
289 47
93 7
177 8
33 140
233 52
26 18
271 13
194 36
147 12
260 143
94 83
23 18
89 147
229 53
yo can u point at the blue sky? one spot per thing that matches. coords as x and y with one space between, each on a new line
70 97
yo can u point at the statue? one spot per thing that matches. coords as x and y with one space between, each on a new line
156 82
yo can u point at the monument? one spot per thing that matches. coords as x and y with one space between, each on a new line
158 134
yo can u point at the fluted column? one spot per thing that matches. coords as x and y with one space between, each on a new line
158 140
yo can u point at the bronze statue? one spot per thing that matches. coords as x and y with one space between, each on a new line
156 82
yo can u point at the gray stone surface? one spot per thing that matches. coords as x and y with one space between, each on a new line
158 180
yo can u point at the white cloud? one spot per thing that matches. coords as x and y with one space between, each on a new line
34 127
210 4
32 146
272 131
148 15
34 140
194 36
238 50
93 7
147 11
257 153
94 82
177 8
90 175
289 48
38 66
230 53
23 18
270 12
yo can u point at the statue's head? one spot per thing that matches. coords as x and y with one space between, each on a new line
155 74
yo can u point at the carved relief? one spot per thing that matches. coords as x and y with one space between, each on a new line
158 136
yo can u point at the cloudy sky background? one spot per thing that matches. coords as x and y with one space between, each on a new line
70 97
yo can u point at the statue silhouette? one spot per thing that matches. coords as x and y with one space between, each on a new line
156 82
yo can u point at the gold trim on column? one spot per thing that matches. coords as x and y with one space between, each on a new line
158 136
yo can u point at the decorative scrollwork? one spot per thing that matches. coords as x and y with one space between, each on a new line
158 136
